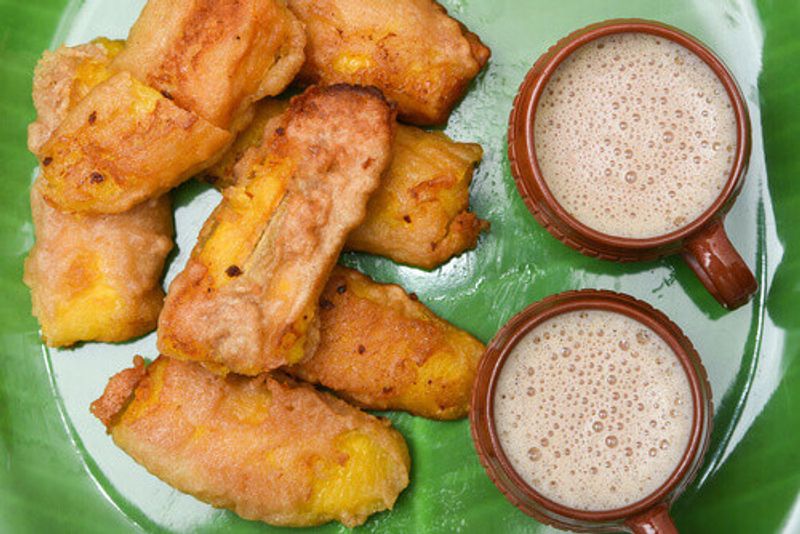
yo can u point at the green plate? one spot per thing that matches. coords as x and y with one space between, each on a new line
59 471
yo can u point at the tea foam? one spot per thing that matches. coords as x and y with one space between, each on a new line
635 135
593 410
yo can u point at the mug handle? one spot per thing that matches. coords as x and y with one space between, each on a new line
719 267
654 521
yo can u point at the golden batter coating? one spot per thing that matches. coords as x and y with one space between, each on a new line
249 145
62 79
97 278
92 278
215 57
420 214
122 144
420 58
383 350
264 447
246 301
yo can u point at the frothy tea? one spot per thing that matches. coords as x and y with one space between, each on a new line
635 135
593 410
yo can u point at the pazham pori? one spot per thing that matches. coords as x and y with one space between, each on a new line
246 300
419 215
266 448
124 143
215 57
92 278
383 350
97 278
420 58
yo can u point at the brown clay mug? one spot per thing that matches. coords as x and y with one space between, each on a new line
703 242
650 515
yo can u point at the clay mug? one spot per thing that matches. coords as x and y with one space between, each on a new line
703 242
650 515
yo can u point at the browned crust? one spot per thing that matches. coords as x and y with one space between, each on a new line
480 51
420 216
104 159
215 57
118 393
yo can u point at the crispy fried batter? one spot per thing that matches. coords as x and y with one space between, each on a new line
410 49
118 393
419 215
268 449
123 144
215 57
249 144
91 277
246 300
97 278
62 79
382 349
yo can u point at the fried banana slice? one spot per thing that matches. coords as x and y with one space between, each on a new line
246 301
122 144
97 278
419 215
92 278
62 79
420 58
383 350
215 57
267 449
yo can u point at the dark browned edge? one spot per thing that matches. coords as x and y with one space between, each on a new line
533 188
487 443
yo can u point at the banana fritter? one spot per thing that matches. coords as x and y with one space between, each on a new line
184 82
264 447
215 57
420 214
382 349
246 300
420 58
124 143
97 278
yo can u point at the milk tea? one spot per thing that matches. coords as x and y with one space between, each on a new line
635 135
593 410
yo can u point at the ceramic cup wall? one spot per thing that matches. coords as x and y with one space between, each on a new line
703 242
651 513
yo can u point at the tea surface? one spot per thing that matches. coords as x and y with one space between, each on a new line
635 135
593 410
